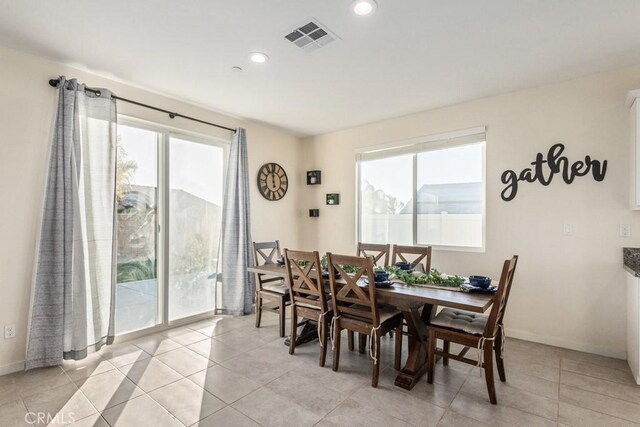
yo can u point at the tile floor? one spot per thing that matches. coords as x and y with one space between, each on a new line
224 372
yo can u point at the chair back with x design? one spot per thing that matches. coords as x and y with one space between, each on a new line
379 252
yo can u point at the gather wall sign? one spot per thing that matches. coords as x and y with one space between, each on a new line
543 170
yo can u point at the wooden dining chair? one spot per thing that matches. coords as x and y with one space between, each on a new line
379 252
414 255
356 309
381 255
272 289
308 297
485 333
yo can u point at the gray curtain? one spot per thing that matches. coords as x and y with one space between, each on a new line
74 284
237 284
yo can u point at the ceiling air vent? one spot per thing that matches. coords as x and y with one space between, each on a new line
311 36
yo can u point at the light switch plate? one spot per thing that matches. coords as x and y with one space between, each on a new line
625 230
567 230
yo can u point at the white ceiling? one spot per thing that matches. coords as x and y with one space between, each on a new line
411 55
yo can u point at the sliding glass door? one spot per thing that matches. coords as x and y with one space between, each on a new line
137 290
169 206
195 214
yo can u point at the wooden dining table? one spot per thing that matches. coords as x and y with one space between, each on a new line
416 303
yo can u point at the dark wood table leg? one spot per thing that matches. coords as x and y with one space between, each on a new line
416 364
307 332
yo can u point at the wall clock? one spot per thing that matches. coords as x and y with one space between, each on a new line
272 181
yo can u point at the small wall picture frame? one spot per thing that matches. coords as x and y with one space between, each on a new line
314 177
333 198
314 213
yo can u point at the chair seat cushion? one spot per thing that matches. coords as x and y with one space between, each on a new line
276 287
387 314
461 320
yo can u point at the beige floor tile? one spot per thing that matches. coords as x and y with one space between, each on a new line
184 335
340 382
91 421
156 344
61 405
186 401
123 354
214 350
438 394
93 364
600 403
452 376
513 397
579 417
597 371
37 380
594 359
629 393
307 393
213 328
500 415
141 411
109 389
224 384
14 414
184 361
227 417
453 419
403 406
9 389
352 413
259 369
244 339
270 409
534 367
535 385
150 374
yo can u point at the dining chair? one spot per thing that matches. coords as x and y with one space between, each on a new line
356 309
485 333
272 289
379 252
308 297
414 255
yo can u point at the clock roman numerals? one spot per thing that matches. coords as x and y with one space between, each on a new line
272 181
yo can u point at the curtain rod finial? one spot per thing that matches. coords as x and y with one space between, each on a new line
54 82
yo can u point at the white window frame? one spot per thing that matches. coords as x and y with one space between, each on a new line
165 133
415 146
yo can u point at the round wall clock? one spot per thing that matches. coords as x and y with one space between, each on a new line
272 181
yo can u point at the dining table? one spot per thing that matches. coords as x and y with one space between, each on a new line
417 304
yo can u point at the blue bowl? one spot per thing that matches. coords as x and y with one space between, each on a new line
380 276
406 266
480 281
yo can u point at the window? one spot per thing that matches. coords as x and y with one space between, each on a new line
169 203
424 193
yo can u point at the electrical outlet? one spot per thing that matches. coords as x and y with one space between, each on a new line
9 332
567 230
625 230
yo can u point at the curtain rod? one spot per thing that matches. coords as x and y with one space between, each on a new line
55 82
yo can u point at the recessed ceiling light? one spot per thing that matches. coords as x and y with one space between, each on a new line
258 57
364 7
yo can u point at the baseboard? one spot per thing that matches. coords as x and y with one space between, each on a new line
559 342
11 368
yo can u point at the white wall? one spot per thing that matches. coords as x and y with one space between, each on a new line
26 113
568 290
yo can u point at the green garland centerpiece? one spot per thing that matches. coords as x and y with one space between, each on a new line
432 278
